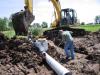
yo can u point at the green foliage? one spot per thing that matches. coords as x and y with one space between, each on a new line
9 34
97 19
36 25
83 23
3 24
44 25
10 25
36 31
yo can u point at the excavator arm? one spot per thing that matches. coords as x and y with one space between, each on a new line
29 4
57 12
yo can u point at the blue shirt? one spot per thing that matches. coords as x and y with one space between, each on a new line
66 36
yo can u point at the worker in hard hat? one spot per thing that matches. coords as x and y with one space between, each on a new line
68 46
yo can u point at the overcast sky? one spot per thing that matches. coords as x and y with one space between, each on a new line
43 9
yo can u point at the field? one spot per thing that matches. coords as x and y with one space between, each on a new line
91 28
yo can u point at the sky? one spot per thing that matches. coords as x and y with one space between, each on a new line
44 11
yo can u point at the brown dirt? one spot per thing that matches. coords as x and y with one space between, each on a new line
18 57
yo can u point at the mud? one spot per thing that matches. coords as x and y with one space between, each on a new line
19 57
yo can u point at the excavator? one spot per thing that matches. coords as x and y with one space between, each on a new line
63 18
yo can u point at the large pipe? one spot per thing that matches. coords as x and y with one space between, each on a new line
58 68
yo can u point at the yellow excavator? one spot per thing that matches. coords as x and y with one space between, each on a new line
63 18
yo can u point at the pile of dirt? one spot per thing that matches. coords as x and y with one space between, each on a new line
88 57
19 57
89 45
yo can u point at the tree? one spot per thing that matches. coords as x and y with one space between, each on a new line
36 25
44 24
97 19
83 23
36 29
3 24
10 25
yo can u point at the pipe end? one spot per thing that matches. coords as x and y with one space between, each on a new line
69 73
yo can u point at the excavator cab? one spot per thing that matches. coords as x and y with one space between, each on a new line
68 17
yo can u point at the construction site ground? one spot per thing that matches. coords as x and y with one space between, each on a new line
19 57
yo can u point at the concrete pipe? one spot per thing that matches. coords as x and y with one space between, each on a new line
58 68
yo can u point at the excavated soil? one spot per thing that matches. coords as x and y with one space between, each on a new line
19 57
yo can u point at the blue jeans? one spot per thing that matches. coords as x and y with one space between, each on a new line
69 49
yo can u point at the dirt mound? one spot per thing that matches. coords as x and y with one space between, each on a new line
87 55
89 48
88 43
18 56
3 40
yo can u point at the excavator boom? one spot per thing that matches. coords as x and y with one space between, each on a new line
29 3
57 12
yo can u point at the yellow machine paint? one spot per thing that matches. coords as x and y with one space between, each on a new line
57 12
29 3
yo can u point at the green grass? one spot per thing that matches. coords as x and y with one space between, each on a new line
35 31
92 28
9 34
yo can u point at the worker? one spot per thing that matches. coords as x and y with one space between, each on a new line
68 44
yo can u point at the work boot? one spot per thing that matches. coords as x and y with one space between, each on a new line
68 59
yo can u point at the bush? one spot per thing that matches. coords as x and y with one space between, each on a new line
36 31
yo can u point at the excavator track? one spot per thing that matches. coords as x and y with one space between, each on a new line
53 33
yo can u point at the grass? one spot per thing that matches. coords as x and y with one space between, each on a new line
92 28
9 34
35 31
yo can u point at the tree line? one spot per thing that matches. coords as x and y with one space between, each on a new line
6 24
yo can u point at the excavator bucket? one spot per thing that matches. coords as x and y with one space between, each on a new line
21 21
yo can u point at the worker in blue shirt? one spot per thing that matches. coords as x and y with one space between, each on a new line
68 46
